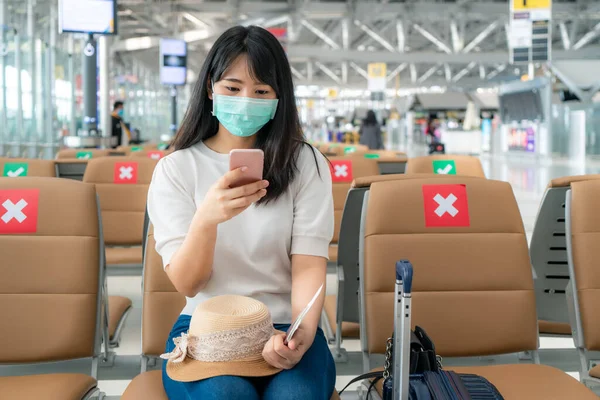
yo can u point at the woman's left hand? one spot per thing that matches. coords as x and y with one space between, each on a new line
279 355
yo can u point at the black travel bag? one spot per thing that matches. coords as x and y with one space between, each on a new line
412 369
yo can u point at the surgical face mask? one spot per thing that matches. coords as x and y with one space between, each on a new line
243 116
121 112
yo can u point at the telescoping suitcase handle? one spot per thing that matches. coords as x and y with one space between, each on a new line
404 275
402 329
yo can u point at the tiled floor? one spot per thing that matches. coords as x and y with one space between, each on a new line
528 178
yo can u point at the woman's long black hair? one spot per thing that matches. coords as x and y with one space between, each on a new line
370 119
282 137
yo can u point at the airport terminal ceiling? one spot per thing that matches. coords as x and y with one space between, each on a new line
460 44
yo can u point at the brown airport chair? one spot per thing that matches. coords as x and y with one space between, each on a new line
51 280
71 163
354 149
333 149
152 154
446 164
20 167
322 146
583 294
341 310
161 303
390 162
343 171
71 168
548 251
380 154
161 307
132 148
125 149
158 146
82 154
122 187
472 303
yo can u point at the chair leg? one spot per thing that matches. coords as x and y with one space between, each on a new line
340 355
327 327
105 335
116 338
95 393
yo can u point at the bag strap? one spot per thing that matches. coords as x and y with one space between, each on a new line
376 376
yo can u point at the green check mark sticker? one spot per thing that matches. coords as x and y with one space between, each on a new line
444 167
163 146
136 148
349 149
371 155
14 170
84 155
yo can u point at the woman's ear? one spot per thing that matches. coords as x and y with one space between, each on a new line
209 89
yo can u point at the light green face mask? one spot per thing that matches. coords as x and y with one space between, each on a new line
243 116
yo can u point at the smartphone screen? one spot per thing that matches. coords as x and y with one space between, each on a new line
251 158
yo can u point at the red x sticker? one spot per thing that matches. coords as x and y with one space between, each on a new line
446 206
156 155
126 172
341 171
18 211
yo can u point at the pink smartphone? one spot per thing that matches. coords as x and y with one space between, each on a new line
251 158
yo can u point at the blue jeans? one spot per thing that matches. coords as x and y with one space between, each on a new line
312 378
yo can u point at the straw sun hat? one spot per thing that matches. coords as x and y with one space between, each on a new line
227 335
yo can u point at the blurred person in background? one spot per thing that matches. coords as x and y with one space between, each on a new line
370 132
118 125
430 130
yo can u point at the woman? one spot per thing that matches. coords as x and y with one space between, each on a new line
118 124
430 130
370 132
267 240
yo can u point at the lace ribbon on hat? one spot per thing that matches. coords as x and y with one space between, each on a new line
222 346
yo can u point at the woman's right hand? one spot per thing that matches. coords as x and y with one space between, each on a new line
222 202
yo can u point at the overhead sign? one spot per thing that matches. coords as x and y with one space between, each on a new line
377 70
531 4
173 62
530 33
88 16
377 73
520 33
